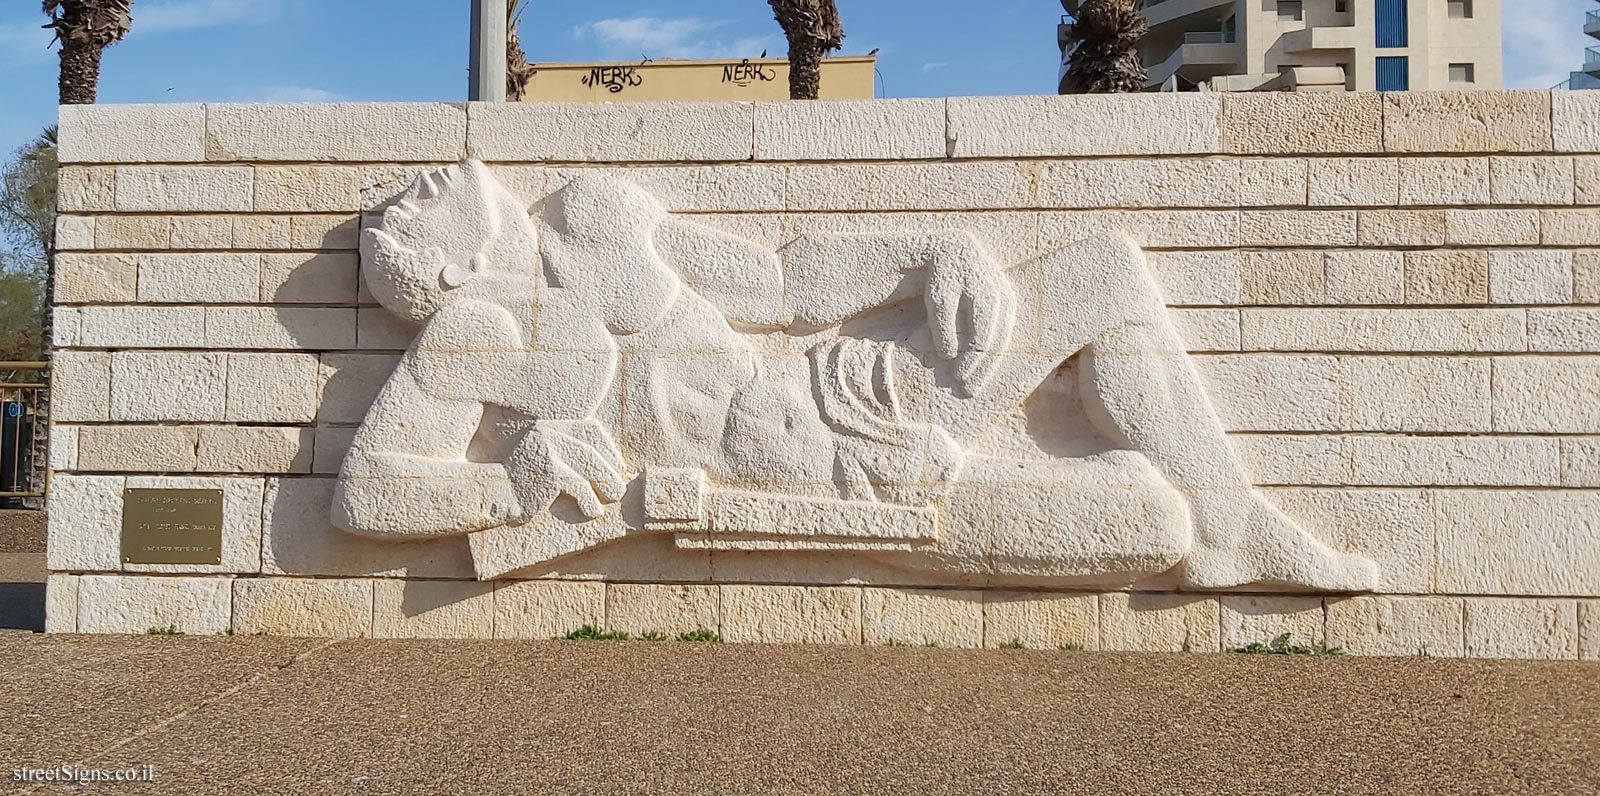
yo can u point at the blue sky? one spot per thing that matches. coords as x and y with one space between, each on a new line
318 50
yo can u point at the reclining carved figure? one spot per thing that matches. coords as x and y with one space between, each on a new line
611 370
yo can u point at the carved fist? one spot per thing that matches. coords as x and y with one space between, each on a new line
566 457
971 310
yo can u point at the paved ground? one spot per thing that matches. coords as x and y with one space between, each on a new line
21 570
273 715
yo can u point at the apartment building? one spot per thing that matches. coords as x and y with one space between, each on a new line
1589 76
1355 45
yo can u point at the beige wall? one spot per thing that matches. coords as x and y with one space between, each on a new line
845 77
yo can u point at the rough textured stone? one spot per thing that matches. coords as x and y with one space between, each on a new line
61 604
298 538
1531 180
1588 630
1456 461
307 189
1354 182
133 232
543 609
1294 459
1491 227
324 608
202 232
147 133
1580 461
1444 181
1070 126
1395 526
63 448
1297 228
639 608
84 523
1146 622
1283 277
82 388
1365 276
1273 392
332 443
294 328
1273 182
341 131
1518 542
325 233
266 232
1547 395
86 189
1113 183
1208 330
1446 277
623 131
1586 277
975 185
272 388
74 232
791 614
850 129
946 618
1585 181
122 449
1570 227
1399 626
1531 276
1417 394
1294 123
1401 228
1385 330
1575 121
96 277
241 522
142 327
1040 620
432 609
1249 619
1521 628
254 449
1474 121
349 382
216 278
1204 278
321 278
157 189
130 604
148 386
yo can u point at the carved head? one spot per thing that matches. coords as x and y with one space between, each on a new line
451 226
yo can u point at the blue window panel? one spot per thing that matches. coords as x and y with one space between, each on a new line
1391 23
1394 73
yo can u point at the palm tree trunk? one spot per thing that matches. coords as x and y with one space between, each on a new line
805 68
80 73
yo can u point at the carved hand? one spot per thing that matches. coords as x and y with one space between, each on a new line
575 458
971 310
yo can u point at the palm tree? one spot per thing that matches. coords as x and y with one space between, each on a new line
85 28
813 28
1106 61
518 70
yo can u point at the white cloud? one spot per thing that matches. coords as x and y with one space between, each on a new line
934 66
168 15
287 94
1544 41
671 38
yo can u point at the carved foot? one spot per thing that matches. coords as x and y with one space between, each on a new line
1271 549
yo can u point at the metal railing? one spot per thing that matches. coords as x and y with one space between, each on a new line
1591 56
24 432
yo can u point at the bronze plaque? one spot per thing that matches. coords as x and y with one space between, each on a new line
172 526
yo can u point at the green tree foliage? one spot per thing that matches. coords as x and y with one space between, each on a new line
27 224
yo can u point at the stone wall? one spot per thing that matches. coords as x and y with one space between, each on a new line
1394 301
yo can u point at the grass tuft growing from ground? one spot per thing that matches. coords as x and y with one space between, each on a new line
702 636
1283 646
592 633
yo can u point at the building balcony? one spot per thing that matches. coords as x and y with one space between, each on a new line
1200 57
1582 81
1323 38
1591 24
1591 60
1162 12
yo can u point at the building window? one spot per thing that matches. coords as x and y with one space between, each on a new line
1460 9
1394 73
1341 6
1291 10
1390 23
1463 73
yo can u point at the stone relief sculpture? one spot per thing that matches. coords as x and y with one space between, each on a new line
610 370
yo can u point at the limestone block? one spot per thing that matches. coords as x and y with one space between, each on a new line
1152 228
310 328
1521 628
1518 542
86 189
325 233
63 448
195 606
1588 630
216 278
320 278
1470 121
1072 126
1273 392
1401 228
85 523
1398 626
544 609
1530 276
266 232
1354 182
202 232
241 521
1273 182
1586 277
381 183
1208 330
1547 395
61 604
1249 618
133 232
1570 227
1113 183
1297 228
1491 227
791 614
341 131
1206 278
254 449
143 133
1415 394
1303 459
1445 276
138 448
74 232
1531 180
1384 330
1575 120
1456 461
1365 276
432 609
1580 462
638 608
901 129
142 327
96 277
349 382
611 131
1295 123
81 386
1283 277
64 333
1008 236
1586 181
272 388
320 608
166 189
680 189
1147 622
974 185
377 329
298 538
332 443
947 618
307 189
1394 526
149 386
1444 181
